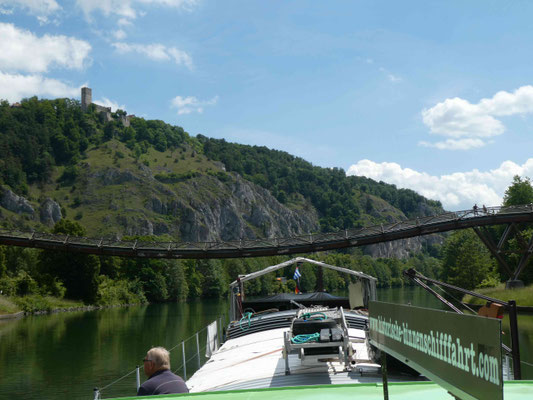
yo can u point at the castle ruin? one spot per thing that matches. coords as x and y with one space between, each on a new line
87 100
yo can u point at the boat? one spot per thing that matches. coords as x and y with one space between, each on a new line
304 346
290 339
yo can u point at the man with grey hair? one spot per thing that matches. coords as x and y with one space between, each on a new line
160 379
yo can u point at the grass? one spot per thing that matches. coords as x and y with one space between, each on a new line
37 303
7 306
523 296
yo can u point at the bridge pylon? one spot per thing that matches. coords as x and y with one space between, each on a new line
500 249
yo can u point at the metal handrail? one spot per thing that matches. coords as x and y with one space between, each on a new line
97 392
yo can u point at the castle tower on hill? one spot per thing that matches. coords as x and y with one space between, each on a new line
86 98
105 112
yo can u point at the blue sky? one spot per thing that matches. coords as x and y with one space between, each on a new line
436 96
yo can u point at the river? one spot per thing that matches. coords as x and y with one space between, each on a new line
65 355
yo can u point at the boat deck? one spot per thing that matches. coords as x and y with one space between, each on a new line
513 390
256 361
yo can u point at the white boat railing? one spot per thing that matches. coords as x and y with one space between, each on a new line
184 354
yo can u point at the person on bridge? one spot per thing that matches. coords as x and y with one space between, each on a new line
160 379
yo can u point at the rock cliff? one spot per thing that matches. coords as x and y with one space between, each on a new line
200 209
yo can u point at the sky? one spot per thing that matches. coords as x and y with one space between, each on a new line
435 96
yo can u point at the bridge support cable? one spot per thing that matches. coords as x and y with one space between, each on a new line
510 306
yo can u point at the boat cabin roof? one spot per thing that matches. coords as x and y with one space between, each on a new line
286 301
368 283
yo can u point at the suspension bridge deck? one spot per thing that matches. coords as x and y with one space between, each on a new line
273 246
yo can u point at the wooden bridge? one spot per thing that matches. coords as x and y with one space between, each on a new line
280 246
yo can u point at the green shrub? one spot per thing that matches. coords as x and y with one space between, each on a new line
25 284
69 175
8 286
31 304
118 292
51 286
174 177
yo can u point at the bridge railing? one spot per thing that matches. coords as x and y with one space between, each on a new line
299 240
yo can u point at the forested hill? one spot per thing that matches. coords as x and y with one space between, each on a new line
153 178
339 199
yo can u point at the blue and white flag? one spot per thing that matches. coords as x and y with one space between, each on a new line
297 274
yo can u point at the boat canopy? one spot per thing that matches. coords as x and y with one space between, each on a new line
282 301
237 289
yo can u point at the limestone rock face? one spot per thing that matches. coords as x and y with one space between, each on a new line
49 212
113 176
209 210
15 203
397 248
404 247
401 248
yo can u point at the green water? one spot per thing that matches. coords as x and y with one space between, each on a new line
64 356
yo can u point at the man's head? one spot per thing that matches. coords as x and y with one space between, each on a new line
156 359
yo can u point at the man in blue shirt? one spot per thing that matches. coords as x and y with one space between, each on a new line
160 379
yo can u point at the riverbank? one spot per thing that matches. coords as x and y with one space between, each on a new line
522 296
35 304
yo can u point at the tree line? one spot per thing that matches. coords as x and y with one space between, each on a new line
467 263
39 135
115 280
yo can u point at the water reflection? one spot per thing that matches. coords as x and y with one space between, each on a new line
63 356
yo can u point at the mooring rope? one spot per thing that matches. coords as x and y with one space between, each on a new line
311 337
247 316
118 380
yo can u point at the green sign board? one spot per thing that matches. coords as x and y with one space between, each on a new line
462 353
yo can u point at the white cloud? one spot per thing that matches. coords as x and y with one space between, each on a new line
471 124
187 5
14 87
42 9
460 190
127 10
190 104
156 52
21 50
454 144
124 22
119 34
390 77
120 8
104 101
